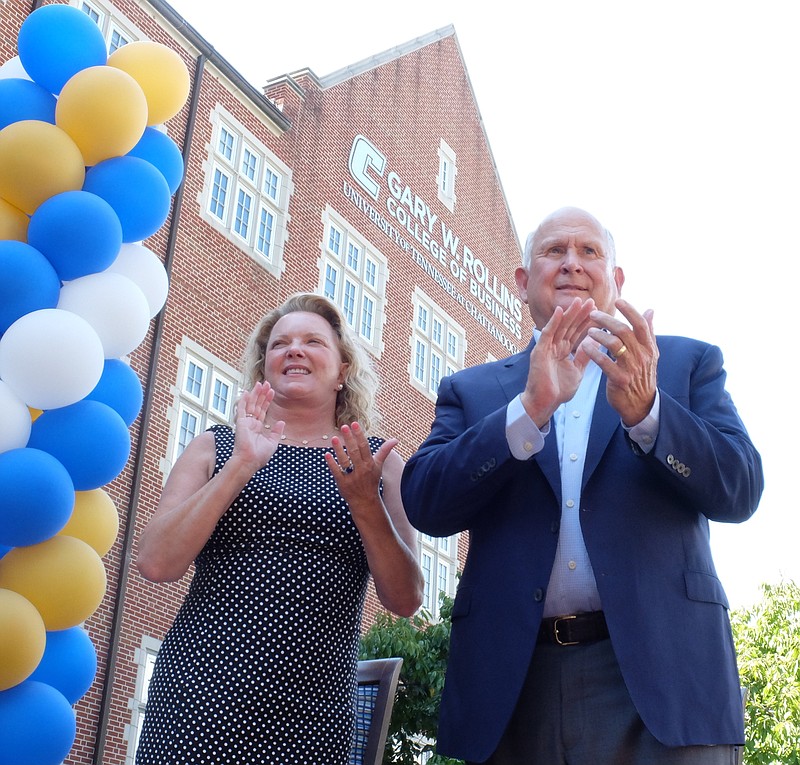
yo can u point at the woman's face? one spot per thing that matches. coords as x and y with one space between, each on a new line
302 357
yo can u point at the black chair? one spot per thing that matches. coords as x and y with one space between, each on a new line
377 684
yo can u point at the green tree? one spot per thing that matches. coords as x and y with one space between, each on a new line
767 640
423 645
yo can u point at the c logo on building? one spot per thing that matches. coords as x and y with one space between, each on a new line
366 157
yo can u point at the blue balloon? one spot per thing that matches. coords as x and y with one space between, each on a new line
21 99
37 725
4 550
56 42
121 389
36 497
88 438
28 282
160 150
69 663
136 190
78 232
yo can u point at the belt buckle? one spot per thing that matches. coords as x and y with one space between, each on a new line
555 630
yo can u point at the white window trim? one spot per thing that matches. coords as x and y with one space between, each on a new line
431 547
446 192
148 647
366 291
424 334
111 19
216 368
273 261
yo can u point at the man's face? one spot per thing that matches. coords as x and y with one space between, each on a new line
570 258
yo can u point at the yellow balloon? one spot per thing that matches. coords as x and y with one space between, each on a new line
104 111
22 639
37 161
62 576
94 520
35 413
13 222
161 73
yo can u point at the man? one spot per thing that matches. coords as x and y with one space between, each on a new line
589 624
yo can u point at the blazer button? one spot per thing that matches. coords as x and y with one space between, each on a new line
555 526
538 594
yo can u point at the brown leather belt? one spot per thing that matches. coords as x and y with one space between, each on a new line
573 629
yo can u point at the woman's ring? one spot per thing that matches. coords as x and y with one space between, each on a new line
620 352
349 469
249 415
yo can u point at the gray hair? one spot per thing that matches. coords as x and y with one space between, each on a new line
527 252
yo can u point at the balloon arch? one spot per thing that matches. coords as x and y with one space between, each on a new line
87 172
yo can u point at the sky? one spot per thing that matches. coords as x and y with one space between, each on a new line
676 124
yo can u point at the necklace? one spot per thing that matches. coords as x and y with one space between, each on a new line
301 441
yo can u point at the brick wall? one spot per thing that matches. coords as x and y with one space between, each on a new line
404 106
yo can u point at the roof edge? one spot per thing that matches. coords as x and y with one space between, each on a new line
379 59
255 96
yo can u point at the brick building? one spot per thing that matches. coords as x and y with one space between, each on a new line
374 185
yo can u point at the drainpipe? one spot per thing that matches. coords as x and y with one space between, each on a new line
138 464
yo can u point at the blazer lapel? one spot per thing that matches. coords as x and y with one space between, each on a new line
605 421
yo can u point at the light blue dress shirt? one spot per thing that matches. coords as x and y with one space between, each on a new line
572 588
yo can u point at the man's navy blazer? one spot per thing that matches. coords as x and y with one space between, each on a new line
645 523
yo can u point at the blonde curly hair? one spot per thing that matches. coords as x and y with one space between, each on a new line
356 401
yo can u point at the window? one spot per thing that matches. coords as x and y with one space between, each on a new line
91 12
244 205
226 145
145 659
446 180
117 38
219 194
437 345
116 29
249 163
438 560
205 393
353 275
272 183
246 193
266 230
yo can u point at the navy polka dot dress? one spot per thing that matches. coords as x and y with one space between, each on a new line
259 667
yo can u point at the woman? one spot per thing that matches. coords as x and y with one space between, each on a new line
285 517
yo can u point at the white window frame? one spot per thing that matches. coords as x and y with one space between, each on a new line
446 178
219 208
109 20
442 553
353 273
116 29
253 170
198 404
437 345
144 657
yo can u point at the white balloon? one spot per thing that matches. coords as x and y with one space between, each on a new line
15 420
51 358
142 266
113 305
13 69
